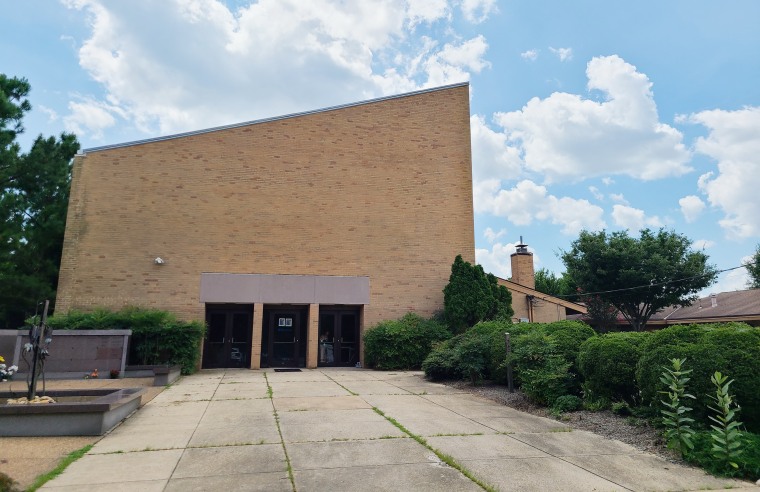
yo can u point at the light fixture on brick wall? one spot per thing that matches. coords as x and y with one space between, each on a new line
159 261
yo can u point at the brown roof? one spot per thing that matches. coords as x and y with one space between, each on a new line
739 305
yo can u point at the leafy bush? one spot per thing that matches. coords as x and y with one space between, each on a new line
158 337
607 364
732 348
567 403
402 344
475 354
748 462
544 359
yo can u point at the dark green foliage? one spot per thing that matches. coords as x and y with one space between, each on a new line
475 354
544 359
472 296
753 269
543 374
567 403
158 337
731 348
748 462
661 265
548 283
33 204
568 336
402 344
607 364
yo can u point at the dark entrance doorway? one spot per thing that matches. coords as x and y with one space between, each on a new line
338 336
228 340
286 337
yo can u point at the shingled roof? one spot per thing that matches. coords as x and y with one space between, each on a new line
739 305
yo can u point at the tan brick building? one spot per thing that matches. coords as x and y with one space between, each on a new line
289 235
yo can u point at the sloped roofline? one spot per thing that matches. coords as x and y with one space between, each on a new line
274 118
540 295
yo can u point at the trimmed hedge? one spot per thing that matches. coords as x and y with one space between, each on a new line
731 348
543 356
158 337
402 344
477 353
607 364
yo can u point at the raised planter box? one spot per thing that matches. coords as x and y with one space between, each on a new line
78 412
162 375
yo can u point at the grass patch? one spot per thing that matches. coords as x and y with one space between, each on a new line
282 441
441 456
62 465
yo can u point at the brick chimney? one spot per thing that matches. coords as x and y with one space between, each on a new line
522 266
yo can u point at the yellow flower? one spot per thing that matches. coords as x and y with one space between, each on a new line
1 359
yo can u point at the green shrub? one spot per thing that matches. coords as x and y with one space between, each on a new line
544 357
158 337
567 403
475 354
607 364
732 348
402 344
568 336
748 462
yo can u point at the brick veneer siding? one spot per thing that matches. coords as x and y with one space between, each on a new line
380 189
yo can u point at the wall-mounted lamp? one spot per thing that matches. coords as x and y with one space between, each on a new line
159 261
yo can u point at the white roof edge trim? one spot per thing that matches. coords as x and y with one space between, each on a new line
268 120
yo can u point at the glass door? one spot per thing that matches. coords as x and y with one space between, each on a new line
338 337
228 339
284 331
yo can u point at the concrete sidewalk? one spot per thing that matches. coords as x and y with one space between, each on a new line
357 430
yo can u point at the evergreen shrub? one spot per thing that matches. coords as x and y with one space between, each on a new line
607 364
731 348
158 337
475 354
402 344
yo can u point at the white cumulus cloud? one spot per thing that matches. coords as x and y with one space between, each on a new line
633 219
527 202
477 11
734 142
565 136
492 235
691 207
491 156
179 65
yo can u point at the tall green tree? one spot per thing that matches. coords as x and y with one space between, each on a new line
549 283
639 276
472 296
33 203
753 269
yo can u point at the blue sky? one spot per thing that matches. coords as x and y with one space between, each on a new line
585 114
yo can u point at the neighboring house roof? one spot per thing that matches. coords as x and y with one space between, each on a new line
571 307
738 305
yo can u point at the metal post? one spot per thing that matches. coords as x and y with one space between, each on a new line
510 383
35 334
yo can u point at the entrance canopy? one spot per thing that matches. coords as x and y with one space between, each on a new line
283 289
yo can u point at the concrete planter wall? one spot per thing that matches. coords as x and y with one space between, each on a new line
73 353
99 413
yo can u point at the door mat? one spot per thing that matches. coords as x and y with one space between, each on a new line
287 370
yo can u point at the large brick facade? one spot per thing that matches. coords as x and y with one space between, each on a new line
380 189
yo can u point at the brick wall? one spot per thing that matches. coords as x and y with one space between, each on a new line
381 189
